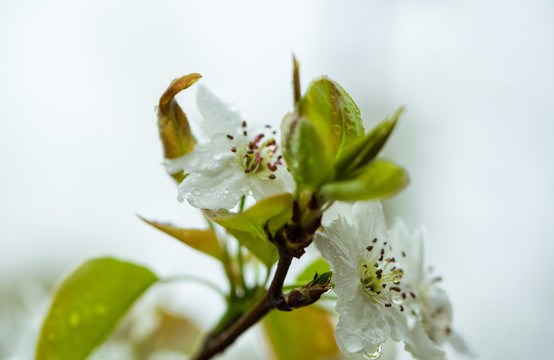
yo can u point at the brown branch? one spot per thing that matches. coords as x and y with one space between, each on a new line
271 300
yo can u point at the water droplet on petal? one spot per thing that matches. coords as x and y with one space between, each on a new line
74 320
397 299
396 280
375 354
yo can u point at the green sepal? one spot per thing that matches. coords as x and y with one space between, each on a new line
366 148
202 240
249 226
322 279
306 153
334 114
319 266
377 180
87 305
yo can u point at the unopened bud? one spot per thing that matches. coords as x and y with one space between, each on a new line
177 139
309 293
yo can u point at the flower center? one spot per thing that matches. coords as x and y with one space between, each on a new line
380 277
260 154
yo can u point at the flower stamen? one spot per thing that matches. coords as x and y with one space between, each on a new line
380 275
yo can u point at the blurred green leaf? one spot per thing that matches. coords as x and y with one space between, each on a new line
87 305
366 148
248 226
202 240
334 114
377 180
319 266
306 153
301 334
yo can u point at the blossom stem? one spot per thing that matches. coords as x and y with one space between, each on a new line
270 301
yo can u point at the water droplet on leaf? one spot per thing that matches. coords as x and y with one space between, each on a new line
100 310
74 319
375 354
51 336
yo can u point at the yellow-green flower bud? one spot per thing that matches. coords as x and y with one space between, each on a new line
177 139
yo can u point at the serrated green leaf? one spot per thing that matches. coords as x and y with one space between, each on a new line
87 306
319 266
334 114
306 333
306 153
366 148
248 226
202 240
377 180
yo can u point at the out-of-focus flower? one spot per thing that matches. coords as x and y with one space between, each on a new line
433 324
367 279
231 162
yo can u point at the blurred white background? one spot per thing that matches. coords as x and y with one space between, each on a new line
80 154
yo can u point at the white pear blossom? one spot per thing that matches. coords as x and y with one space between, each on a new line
382 288
433 310
231 162
367 279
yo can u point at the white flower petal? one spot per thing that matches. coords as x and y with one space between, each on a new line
411 243
459 344
214 189
340 254
370 220
362 325
261 186
421 347
218 117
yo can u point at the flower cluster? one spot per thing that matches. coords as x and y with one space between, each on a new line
231 162
382 288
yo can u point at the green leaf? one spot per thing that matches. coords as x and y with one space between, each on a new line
248 226
333 112
306 333
319 266
87 306
202 240
377 180
306 153
365 149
